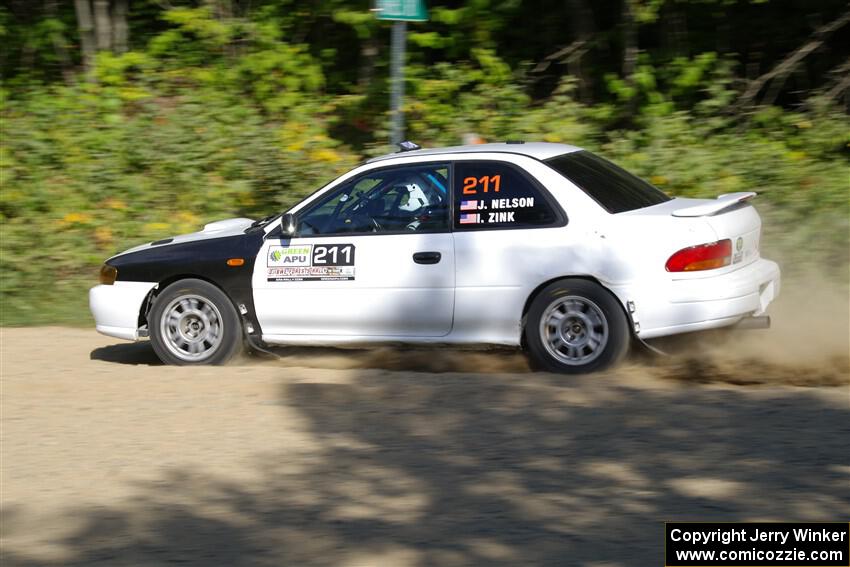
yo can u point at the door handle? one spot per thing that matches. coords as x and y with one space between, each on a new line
427 257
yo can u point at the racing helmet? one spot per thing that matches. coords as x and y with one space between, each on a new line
416 198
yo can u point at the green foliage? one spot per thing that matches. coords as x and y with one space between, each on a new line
195 38
447 101
796 162
74 194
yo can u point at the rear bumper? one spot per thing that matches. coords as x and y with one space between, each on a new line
116 308
678 306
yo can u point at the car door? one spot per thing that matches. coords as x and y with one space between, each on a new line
372 258
508 240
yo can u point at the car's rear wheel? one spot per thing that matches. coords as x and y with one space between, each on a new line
576 326
194 322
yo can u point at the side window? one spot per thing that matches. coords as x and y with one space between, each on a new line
391 200
492 194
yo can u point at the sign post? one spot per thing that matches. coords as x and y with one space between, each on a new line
401 12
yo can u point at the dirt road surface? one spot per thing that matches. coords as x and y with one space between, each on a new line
356 458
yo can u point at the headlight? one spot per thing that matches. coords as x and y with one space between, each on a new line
108 274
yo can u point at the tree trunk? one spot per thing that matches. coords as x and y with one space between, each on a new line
674 27
368 59
59 45
630 48
582 29
102 25
86 28
120 31
221 9
777 76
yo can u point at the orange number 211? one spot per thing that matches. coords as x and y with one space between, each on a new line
470 184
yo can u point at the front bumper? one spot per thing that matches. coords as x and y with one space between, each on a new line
693 304
116 308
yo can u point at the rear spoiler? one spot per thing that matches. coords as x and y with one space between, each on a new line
713 207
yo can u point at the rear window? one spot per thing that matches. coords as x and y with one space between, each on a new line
611 186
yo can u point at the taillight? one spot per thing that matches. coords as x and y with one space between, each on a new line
702 257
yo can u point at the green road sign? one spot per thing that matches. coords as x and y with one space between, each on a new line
404 10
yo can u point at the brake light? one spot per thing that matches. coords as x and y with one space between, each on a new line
702 257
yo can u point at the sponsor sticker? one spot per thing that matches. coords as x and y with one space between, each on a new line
311 262
311 273
290 255
739 254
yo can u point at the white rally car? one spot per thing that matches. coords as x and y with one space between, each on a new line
544 246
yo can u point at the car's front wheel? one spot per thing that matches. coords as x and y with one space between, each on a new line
194 322
575 326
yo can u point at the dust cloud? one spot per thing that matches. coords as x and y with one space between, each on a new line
408 359
808 344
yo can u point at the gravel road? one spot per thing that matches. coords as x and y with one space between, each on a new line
356 458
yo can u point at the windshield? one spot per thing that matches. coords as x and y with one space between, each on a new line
614 188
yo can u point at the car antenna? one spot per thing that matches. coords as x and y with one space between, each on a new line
408 146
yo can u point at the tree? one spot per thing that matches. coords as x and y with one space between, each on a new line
102 25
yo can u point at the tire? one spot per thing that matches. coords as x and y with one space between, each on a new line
576 326
192 322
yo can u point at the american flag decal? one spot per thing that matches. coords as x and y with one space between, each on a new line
469 218
468 205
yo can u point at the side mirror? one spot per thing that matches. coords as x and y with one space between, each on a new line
288 224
